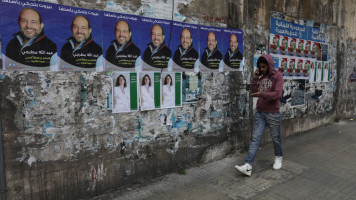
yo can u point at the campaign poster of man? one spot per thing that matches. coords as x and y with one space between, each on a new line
155 50
292 45
124 92
307 48
314 49
79 48
290 70
185 47
274 44
121 37
283 63
283 45
233 50
298 72
211 40
306 67
300 48
28 31
150 90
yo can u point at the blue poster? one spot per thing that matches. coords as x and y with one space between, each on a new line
80 39
185 47
315 34
233 49
155 52
275 62
211 45
28 35
121 36
289 29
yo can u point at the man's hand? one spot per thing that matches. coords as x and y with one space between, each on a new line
257 73
257 94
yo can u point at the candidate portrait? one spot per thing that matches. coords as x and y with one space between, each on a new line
30 46
157 54
123 52
81 50
233 57
211 57
186 56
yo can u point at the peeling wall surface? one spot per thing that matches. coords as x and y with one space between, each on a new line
62 141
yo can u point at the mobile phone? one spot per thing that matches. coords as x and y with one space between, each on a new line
259 72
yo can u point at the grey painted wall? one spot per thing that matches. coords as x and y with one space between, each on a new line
62 142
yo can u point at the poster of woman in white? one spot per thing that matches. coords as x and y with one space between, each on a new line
168 93
325 72
312 72
147 91
318 72
121 92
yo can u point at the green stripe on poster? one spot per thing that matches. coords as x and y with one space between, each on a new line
133 91
178 85
157 89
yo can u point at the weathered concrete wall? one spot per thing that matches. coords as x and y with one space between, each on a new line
62 142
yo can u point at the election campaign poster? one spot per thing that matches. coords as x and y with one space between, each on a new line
274 44
171 89
319 69
312 71
292 46
305 71
290 70
232 50
150 90
325 72
283 45
300 48
28 35
155 51
210 41
283 66
185 47
124 92
121 36
191 87
307 48
298 74
80 45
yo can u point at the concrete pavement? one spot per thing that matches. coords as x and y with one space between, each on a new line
319 164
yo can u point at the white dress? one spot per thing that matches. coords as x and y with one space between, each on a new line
122 100
318 75
311 75
168 97
326 73
147 101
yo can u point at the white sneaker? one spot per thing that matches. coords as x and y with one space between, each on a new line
245 169
277 162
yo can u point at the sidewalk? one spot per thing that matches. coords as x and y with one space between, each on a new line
320 164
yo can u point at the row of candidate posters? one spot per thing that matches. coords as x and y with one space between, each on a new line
35 38
146 90
302 68
299 52
292 40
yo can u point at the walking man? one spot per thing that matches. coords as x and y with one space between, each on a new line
267 85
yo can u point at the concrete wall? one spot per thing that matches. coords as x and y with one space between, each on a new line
61 140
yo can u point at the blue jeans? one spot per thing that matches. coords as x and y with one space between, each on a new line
273 121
